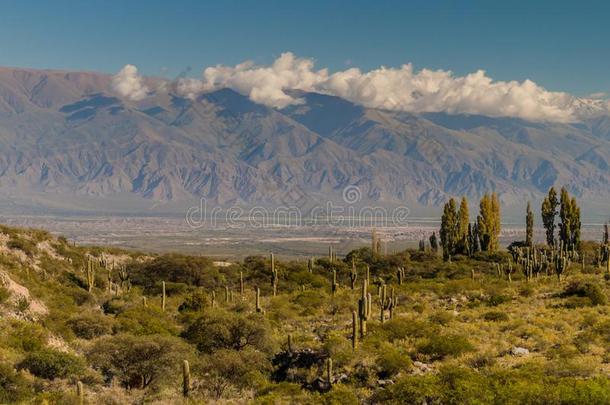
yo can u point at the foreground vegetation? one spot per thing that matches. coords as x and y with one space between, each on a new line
102 326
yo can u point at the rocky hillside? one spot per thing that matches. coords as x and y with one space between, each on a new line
67 141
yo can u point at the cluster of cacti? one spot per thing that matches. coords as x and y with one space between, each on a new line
90 272
310 263
386 303
400 275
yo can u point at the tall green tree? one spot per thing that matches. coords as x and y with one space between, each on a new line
569 228
463 222
449 229
488 222
529 225
495 208
549 211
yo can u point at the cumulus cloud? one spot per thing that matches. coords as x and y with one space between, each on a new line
128 83
399 89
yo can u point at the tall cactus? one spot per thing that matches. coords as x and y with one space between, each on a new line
363 308
163 296
258 300
80 393
354 330
400 275
329 371
90 274
310 264
186 379
334 285
274 275
353 275
241 284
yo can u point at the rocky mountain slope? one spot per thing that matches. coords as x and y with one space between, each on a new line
67 141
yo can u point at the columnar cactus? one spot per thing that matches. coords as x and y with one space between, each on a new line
354 330
90 274
353 275
241 284
274 275
400 275
335 285
289 343
364 308
186 379
258 300
561 265
163 296
80 392
227 295
329 371
310 264
213 298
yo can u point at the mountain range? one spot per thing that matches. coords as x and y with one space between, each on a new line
68 142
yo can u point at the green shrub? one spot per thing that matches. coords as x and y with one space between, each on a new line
194 302
587 289
495 316
443 318
89 326
13 387
26 246
392 360
139 361
224 330
498 299
51 364
27 336
5 294
437 347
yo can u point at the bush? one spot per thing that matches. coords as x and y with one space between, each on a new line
13 387
89 326
26 246
437 347
145 321
5 294
51 364
138 361
195 302
224 330
391 360
495 316
498 299
587 289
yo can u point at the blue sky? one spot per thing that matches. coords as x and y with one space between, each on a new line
560 45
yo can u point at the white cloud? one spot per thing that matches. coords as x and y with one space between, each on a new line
128 83
399 89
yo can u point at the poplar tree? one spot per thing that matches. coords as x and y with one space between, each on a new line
448 231
463 222
548 211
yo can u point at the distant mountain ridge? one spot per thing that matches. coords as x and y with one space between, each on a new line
66 135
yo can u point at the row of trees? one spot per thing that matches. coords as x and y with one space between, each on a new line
459 236
568 234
